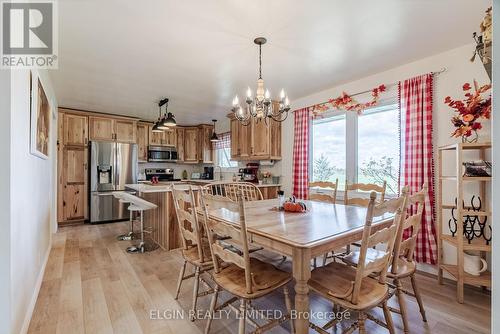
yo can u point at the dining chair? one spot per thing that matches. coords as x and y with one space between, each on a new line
403 264
325 191
230 190
195 247
363 287
244 277
359 201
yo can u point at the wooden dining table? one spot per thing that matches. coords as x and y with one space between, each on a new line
322 228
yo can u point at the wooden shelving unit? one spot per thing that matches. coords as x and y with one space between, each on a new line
458 241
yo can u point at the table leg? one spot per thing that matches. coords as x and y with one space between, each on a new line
301 273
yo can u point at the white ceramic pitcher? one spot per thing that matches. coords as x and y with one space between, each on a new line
474 264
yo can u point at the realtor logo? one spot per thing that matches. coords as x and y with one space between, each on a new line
29 38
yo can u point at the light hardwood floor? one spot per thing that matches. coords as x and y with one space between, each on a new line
91 285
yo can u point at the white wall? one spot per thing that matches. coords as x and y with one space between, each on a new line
32 201
459 70
5 201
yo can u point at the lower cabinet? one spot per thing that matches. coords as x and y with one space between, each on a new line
269 192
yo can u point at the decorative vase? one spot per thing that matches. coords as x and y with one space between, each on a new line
470 139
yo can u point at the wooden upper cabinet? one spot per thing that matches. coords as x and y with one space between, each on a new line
260 140
125 131
169 137
142 141
101 128
179 132
275 140
244 140
75 130
155 138
205 145
191 145
234 138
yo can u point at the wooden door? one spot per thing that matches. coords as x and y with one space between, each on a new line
244 138
180 143
75 183
275 140
205 145
75 130
234 138
155 138
125 131
101 128
191 145
259 139
142 142
169 138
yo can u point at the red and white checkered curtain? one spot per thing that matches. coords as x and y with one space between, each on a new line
301 153
415 101
224 140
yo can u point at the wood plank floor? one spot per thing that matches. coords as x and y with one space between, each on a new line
91 285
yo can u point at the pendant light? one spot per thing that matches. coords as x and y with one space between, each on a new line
168 120
214 137
163 123
156 126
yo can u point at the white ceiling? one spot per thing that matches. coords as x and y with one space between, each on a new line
122 56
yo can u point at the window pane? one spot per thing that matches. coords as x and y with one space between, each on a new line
378 147
224 158
329 149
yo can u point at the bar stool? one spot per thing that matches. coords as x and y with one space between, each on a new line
140 247
130 235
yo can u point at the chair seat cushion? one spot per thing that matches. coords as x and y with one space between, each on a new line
404 268
268 278
337 278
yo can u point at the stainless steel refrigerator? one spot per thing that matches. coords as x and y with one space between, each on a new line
112 165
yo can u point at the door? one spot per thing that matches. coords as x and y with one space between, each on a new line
259 139
244 138
155 138
180 144
142 142
126 165
75 130
275 139
206 144
74 183
101 128
125 131
191 145
169 137
234 138
102 166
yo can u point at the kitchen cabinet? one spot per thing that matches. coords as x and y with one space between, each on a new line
111 129
142 141
191 145
75 130
74 187
179 132
205 145
164 138
256 141
269 192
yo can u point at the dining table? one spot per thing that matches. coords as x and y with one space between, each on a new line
302 236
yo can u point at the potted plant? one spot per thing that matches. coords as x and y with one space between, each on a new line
469 111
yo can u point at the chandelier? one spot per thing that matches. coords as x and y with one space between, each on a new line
261 106
167 121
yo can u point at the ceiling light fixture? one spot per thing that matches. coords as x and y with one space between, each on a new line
214 137
164 123
261 106
156 126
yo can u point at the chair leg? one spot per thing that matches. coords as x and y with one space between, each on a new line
213 302
324 259
416 291
388 318
195 292
179 281
288 305
361 323
314 263
242 315
402 305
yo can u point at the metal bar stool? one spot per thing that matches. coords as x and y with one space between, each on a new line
130 235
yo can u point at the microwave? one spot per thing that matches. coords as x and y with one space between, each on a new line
162 154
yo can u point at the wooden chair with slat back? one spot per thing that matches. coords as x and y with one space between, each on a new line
403 265
325 192
195 247
348 200
363 287
250 191
243 276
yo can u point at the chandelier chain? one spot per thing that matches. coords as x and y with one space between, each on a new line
260 61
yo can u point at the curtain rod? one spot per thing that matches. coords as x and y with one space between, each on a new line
443 69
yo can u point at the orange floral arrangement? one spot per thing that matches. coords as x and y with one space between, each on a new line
470 110
346 102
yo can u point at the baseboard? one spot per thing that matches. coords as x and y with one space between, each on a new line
34 297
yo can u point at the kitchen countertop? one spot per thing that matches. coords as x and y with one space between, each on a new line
145 187
213 181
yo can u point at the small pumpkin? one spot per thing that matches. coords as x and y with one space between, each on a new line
292 206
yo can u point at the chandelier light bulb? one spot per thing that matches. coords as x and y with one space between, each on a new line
282 94
287 102
267 95
249 93
236 101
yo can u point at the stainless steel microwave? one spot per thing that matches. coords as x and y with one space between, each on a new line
162 154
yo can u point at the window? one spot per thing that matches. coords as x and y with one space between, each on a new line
357 148
223 151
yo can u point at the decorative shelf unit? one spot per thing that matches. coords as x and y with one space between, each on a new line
461 243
